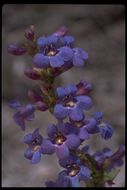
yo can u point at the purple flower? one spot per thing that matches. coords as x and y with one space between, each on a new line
91 126
109 160
60 182
67 41
79 57
26 113
98 116
34 141
51 55
106 131
15 50
56 51
72 175
60 141
68 104
116 159
23 113
100 156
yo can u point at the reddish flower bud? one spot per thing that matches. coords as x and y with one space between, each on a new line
15 50
34 96
84 88
62 31
32 74
30 33
40 106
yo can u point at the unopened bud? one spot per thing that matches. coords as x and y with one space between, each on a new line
30 33
34 96
84 88
15 50
40 106
32 74
62 31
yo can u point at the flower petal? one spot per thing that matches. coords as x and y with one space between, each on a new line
84 173
74 181
27 111
70 89
91 126
41 61
51 130
77 60
67 128
56 61
107 152
19 120
30 117
52 39
66 53
69 40
60 91
35 133
42 41
28 153
83 134
62 151
106 131
14 104
60 111
83 54
71 159
50 184
72 141
47 147
36 157
84 102
28 138
76 114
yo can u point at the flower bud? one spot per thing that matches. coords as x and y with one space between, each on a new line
40 106
15 50
84 88
62 31
34 96
32 74
30 33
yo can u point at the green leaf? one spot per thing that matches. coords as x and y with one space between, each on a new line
91 160
111 176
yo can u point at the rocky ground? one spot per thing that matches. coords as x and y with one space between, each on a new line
100 30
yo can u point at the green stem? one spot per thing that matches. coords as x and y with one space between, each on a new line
97 175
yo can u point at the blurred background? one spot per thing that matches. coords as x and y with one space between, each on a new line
100 30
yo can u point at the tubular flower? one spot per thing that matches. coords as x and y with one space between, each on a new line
34 141
69 104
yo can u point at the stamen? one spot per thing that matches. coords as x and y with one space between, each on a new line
35 148
51 53
78 124
73 170
59 139
70 104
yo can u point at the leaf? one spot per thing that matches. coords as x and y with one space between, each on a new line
91 160
111 176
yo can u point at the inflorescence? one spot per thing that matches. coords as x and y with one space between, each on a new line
53 55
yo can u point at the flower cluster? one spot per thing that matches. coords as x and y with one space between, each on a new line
51 56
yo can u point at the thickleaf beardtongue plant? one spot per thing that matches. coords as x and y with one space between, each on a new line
53 55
